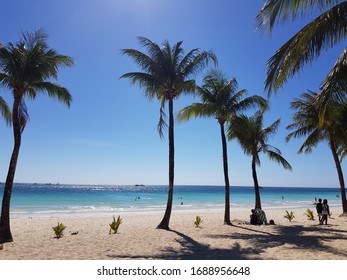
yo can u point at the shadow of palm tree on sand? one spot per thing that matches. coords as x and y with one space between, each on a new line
295 236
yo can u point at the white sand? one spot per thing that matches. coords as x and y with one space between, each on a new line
138 237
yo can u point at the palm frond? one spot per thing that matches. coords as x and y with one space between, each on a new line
270 130
251 102
311 142
195 61
145 80
5 80
162 125
153 49
275 156
321 34
5 111
193 111
334 86
145 62
53 90
276 11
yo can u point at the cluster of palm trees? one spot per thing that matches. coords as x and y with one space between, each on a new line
27 67
167 72
164 73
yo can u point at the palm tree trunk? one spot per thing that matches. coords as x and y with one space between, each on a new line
164 224
340 174
256 185
5 230
226 176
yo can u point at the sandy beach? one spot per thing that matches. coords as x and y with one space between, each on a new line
138 237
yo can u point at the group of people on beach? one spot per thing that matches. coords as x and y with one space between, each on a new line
322 211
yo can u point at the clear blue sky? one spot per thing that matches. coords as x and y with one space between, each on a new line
109 135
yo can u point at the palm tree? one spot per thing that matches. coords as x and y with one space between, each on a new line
322 33
167 72
308 123
25 70
253 139
220 99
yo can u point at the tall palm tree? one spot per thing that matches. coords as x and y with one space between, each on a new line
308 123
220 99
25 70
253 138
167 73
322 33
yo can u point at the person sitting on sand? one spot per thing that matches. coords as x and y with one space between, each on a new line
261 216
325 212
319 209
254 218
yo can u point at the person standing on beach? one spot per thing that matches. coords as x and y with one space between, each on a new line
325 212
319 209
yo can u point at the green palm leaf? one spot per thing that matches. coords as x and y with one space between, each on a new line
334 85
324 32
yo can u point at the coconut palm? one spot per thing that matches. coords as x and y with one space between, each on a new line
26 68
322 33
220 99
308 123
253 138
167 73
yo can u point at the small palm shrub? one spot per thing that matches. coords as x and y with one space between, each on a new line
289 215
309 214
198 221
58 230
114 226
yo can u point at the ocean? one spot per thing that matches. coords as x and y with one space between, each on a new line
50 199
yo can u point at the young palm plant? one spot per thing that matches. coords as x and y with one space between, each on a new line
167 73
220 99
26 68
308 122
324 32
253 138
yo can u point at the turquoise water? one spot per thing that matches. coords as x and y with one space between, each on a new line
49 199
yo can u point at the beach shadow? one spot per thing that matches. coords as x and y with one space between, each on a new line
193 250
293 237
296 236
